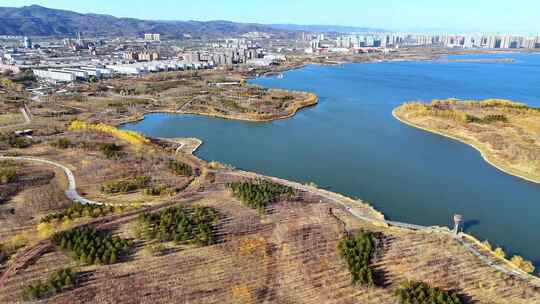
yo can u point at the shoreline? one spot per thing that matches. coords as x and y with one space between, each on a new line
483 153
375 217
310 102
469 242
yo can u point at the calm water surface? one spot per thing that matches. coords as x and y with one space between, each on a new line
351 144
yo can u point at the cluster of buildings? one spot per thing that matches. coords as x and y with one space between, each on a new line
85 73
396 40
229 56
231 52
72 74
141 68
152 37
141 56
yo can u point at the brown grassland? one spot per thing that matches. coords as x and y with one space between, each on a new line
285 253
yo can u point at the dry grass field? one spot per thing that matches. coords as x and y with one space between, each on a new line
286 252
506 133
213 93
7 119
286 255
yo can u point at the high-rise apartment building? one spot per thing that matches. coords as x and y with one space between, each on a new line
152 37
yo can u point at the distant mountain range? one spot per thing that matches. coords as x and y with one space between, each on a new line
37 20
326 28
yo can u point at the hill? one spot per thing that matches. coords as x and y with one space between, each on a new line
37 20
326 28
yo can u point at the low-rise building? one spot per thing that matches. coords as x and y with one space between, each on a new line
55 75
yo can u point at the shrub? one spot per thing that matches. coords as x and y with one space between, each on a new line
3 254
522 264
160 190
111 151
357 252
129 136
78 210
154 249
14 141
487 119
418 292
494 118
7 175
499 252
472 119
62 143
57 282
259 194
179 224
125 186
91 246
180 168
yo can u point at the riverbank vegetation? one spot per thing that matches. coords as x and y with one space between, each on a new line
506 132
260 194
357 251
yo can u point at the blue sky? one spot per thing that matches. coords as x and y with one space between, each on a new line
517 16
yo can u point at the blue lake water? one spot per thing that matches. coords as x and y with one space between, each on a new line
351 144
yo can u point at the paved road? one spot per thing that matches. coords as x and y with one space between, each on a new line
71 191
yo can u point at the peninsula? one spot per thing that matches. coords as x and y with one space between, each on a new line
505 132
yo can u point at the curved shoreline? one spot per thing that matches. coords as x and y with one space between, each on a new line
483 153
297 108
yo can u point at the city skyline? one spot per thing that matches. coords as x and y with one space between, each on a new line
518 17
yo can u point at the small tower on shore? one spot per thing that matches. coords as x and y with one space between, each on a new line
458 219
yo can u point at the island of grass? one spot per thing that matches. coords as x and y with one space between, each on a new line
210 93
505 132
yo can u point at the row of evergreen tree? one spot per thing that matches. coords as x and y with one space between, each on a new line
56 283
111 150
180 168
413 292
491 118
180 224
357 252
259 194
78 210
124 186
91 246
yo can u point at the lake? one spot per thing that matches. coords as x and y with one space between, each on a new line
350 143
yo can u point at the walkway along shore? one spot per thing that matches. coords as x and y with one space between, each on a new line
466 240
375 217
